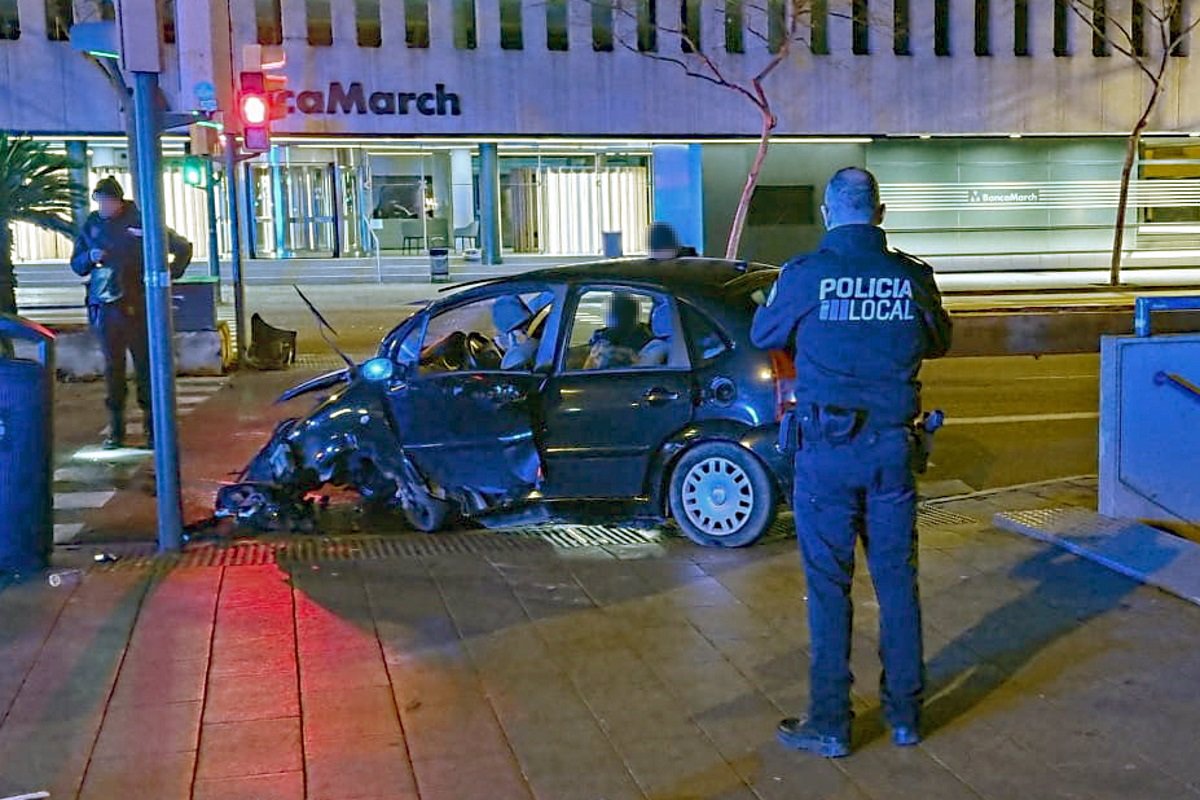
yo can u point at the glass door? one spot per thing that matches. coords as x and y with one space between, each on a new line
312 219
293 210
353 221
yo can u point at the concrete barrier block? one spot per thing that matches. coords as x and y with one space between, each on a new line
78 357
198 353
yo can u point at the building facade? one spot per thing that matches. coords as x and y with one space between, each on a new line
996 127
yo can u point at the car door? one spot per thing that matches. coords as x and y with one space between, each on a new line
604 420
468 426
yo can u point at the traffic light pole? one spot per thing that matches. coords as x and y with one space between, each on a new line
235 243
210 197
147 128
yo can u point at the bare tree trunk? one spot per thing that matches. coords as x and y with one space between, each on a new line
743 206
1131 151
8 278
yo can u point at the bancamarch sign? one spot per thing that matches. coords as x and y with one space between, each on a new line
340 99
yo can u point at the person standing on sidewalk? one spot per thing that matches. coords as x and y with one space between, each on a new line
108 252
861 319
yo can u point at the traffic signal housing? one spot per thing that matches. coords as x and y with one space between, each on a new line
259 84
254 110
194 172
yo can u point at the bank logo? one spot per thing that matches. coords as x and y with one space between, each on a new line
340 99
866 299
978 197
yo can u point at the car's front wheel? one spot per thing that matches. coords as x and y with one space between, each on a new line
722 496
426 513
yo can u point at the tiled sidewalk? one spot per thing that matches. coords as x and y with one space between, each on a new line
655 672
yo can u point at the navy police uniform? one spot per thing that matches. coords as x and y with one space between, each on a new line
861 319
116 299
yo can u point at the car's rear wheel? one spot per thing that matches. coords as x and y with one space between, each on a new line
722 496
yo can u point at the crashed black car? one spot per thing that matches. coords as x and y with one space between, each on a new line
526 397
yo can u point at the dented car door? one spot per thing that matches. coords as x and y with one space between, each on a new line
472 431
469 418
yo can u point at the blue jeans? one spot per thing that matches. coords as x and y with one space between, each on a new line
864 486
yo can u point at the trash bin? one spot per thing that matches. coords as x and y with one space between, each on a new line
612 244
194 304
439 264
26 444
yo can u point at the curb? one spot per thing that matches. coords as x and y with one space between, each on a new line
1037 332
1016 487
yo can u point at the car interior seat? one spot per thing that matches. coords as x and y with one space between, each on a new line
657 351
511 315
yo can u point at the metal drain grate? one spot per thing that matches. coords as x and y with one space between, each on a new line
937 517
328 361
353 548
379 548
927 518
568 536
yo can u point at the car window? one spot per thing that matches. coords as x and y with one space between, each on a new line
624 329
495 333
706 338
409 348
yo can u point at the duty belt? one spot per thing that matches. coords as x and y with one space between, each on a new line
836 425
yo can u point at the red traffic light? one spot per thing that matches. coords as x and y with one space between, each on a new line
255 109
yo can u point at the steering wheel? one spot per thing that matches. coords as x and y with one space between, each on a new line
481 352
447 355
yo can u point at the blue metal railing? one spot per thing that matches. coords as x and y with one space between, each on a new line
1143 307
1179 382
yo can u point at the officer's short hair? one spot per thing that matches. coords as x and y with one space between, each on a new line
852 195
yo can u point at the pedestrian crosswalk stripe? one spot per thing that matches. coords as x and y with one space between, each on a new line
73 475
66 531
197 381
75 501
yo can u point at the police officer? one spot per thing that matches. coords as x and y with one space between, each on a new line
108 252
861 318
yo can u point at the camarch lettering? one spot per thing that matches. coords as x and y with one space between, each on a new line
353 99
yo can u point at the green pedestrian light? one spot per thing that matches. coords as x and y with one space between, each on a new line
193 171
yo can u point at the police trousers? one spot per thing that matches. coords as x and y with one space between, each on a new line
860 487
122 330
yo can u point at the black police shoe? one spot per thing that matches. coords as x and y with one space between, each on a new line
905 736
113 443
799 735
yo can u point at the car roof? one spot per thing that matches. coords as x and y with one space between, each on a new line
701 275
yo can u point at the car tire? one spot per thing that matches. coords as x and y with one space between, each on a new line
721 495
427 514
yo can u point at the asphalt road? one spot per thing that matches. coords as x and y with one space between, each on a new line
1009 421
1015 419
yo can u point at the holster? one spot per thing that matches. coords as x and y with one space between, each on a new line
789 433
922 434
832 425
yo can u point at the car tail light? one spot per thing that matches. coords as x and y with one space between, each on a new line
783 371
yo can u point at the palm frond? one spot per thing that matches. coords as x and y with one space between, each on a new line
50 222
36 185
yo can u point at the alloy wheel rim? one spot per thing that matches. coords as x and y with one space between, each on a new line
717 496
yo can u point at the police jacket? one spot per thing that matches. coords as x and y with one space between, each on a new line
119 276
861 319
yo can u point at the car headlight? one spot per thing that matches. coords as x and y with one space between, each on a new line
378 369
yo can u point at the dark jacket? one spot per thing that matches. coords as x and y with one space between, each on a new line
861 318
119 277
